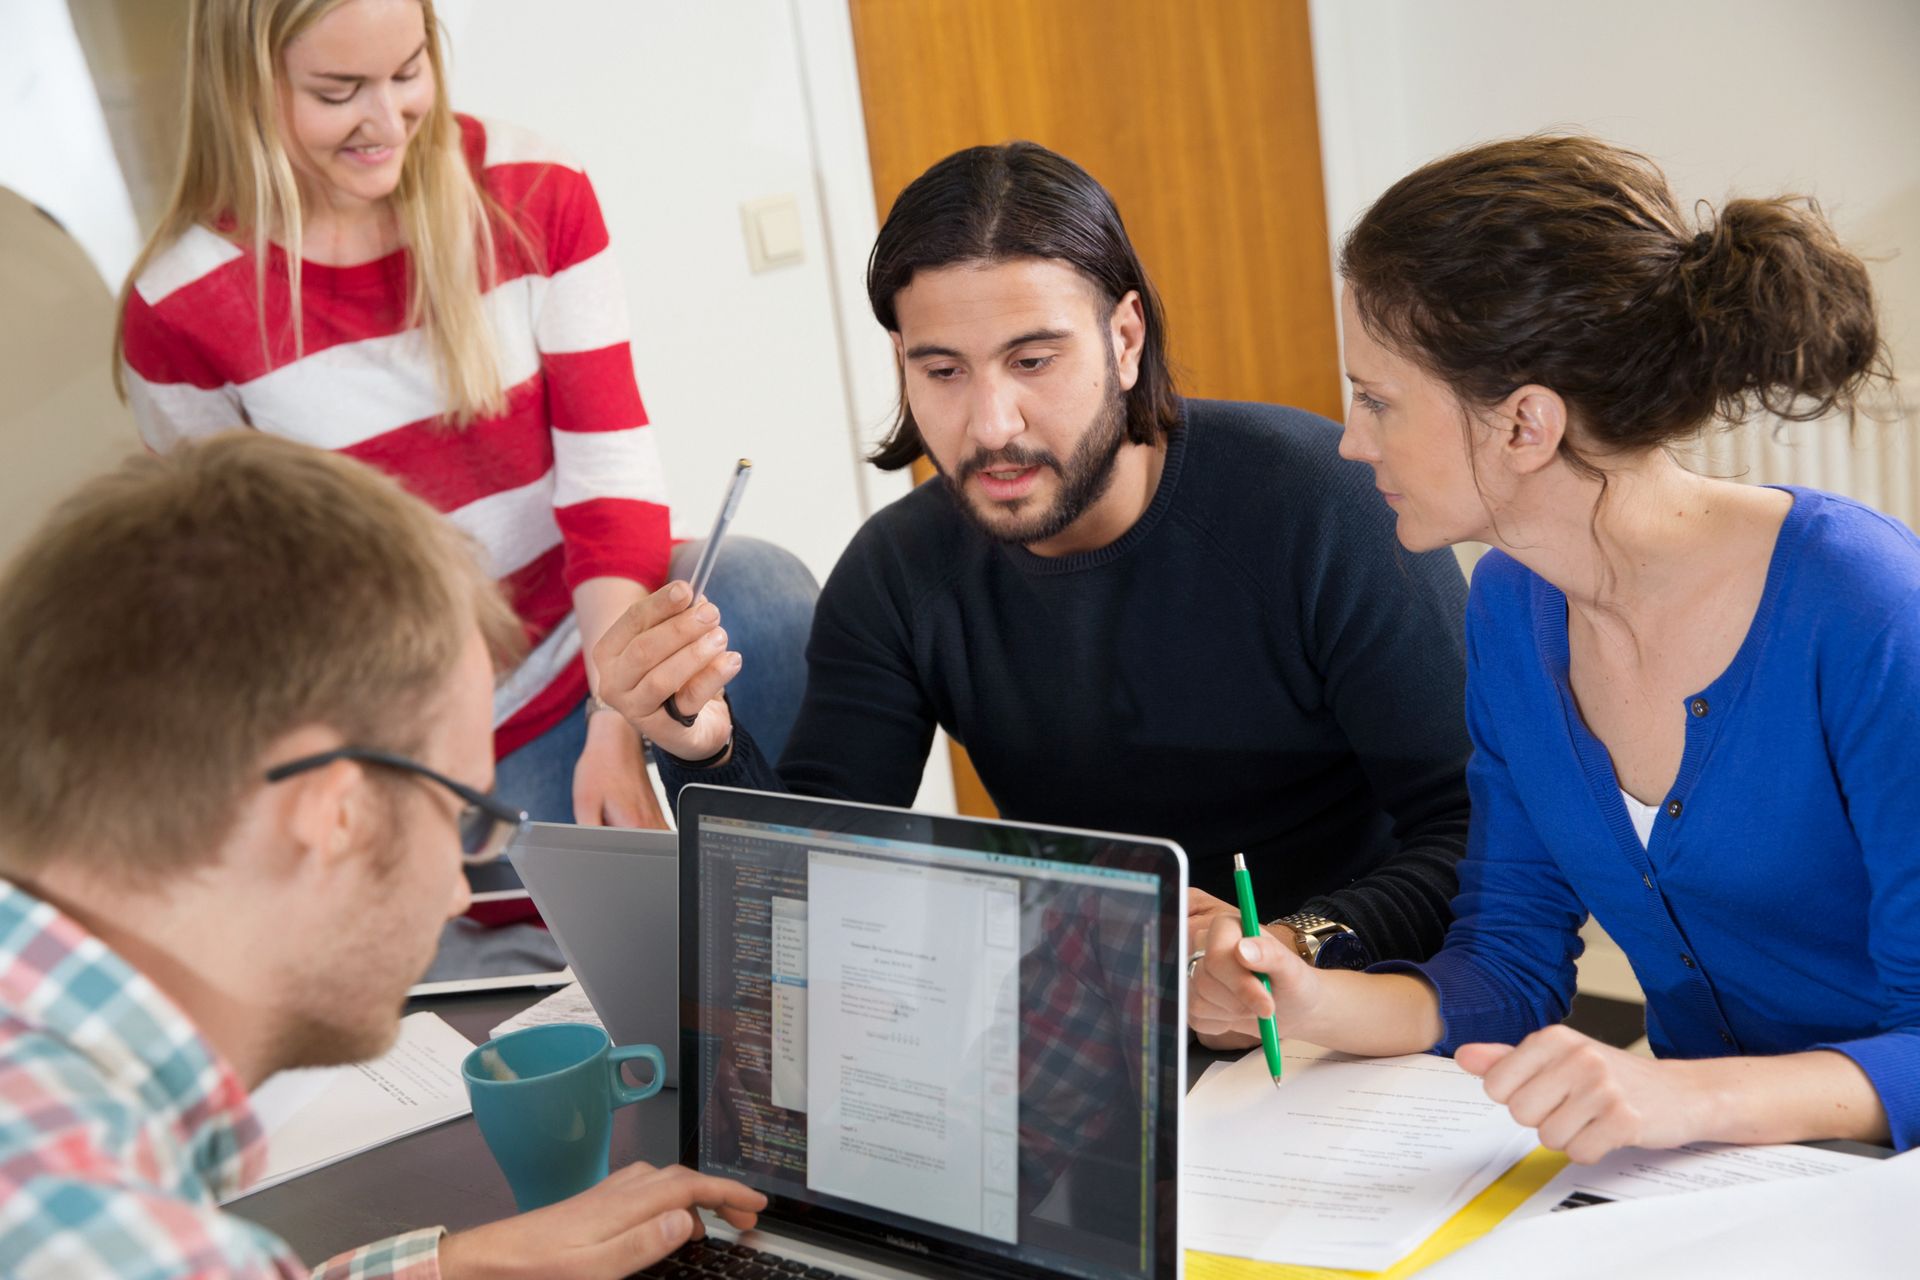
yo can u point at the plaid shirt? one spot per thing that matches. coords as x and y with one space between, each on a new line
1083 1028
121 1129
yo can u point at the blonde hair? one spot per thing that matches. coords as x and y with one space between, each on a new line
175 617
235 175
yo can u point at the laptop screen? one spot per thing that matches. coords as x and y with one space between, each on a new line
958 1039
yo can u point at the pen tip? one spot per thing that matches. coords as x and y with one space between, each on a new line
1276 1082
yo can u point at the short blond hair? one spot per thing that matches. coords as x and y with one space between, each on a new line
174 617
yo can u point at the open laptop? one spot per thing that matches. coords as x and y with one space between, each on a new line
610 897
497 893
940 1046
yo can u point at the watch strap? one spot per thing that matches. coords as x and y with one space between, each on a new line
1311 931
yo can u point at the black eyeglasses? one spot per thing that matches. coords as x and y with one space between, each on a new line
487 823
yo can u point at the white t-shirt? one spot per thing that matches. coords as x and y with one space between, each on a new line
1642 815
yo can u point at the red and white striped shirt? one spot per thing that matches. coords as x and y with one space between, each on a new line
565 486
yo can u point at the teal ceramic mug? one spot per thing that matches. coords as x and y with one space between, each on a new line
550 1127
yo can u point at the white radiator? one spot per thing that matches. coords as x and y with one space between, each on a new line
1878 463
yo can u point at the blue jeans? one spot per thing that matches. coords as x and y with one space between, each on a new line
766 600
766 604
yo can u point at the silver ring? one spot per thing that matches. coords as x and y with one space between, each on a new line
1193 963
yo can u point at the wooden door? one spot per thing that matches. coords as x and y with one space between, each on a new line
1197 115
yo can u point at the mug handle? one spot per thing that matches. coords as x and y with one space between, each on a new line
624 1093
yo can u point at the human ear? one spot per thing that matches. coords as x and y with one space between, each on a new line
325 812
1127 331
1535 418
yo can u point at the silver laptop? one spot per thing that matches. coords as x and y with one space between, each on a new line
610 897
940 1046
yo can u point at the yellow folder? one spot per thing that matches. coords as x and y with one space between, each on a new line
1480 1215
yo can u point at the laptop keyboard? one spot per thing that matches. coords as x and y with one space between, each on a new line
703 1258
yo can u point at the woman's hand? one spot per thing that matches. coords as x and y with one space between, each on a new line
610 783
1587 1098
662 649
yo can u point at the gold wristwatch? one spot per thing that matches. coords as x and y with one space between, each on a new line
1324 943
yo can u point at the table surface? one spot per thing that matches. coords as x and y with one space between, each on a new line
446 1175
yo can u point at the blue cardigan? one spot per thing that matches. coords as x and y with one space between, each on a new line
1777 906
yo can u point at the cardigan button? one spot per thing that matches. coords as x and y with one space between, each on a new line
1687 961
1698 707
1646 879
1673 808
1726 1037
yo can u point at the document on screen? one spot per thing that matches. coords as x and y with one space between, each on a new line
912 1040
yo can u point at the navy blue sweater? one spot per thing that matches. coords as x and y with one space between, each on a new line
1777 905
1256 665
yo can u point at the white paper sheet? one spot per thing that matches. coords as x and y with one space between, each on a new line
1350 1163
1633 1174
281 1096
317 1116
568 1004
1858 1223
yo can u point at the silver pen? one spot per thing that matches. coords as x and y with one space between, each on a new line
703 567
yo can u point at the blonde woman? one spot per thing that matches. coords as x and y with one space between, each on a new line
348 262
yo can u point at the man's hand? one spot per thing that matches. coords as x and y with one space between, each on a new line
1202 907
661 648
636 1217
1587 1098
610 784
1225 997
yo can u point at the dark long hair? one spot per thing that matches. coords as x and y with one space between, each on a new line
1564 261
1017 200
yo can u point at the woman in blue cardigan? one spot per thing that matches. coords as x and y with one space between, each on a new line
1694 704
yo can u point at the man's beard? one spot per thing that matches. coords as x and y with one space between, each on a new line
1083 480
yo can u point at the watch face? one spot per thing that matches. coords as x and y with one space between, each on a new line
1342 950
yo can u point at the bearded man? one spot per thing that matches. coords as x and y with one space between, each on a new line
1138 612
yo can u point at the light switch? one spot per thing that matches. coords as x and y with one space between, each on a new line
772 228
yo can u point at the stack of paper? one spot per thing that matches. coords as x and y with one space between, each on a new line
1633 1174
1858 1222
316 1116
1350 1163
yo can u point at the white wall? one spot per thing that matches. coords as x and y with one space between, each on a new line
682 112
1752 97
54 148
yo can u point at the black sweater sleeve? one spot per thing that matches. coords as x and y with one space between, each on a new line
1386 629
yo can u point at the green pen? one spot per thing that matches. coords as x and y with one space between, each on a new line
1250 928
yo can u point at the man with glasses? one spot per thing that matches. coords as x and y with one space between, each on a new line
247 698
486 823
